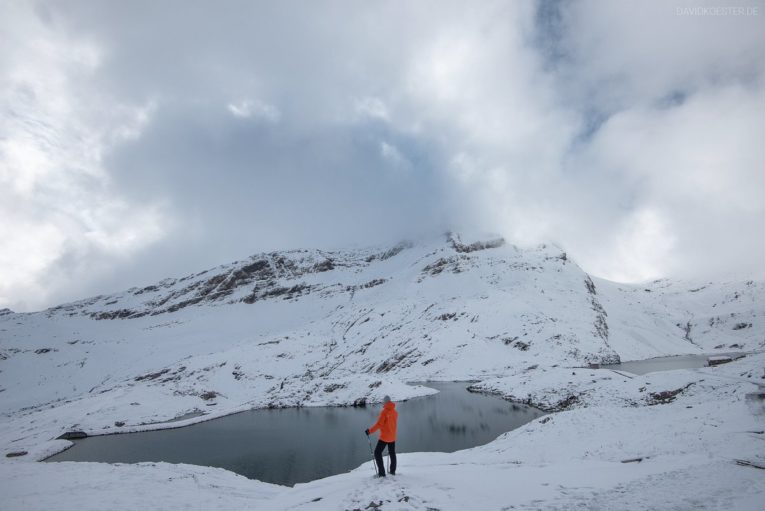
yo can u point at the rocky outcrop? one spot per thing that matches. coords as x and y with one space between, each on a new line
72 435
473 247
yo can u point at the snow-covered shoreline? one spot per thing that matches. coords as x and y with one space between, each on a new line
400 391
687 447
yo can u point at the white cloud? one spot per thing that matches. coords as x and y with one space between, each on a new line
254 109
640 250
372 108
681 139
392 154
675 166
61 221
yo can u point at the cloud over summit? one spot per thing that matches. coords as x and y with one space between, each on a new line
140 140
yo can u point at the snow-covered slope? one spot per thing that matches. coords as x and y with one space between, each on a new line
318 328
696 447
315 327
682 317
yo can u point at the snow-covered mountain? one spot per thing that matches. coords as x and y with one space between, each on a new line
313 327
316 327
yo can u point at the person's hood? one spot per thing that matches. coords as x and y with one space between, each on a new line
390 405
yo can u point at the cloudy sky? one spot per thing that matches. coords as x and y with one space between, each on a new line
146 139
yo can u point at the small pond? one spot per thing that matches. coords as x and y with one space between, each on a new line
294 445
651 365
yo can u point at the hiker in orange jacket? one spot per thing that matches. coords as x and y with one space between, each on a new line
386 423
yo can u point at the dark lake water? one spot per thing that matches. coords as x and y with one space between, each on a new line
667 363
294 445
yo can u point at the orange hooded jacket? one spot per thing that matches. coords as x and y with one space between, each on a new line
386 423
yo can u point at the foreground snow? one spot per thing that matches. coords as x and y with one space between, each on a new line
688 448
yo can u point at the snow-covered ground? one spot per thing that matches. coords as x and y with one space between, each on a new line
314 328
688 448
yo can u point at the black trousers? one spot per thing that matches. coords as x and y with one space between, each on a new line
378 456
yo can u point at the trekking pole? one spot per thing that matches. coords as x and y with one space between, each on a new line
374 463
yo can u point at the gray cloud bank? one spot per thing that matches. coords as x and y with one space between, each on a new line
140 140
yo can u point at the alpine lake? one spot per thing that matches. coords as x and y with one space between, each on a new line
294 445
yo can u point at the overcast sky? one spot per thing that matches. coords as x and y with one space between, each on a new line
146 139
